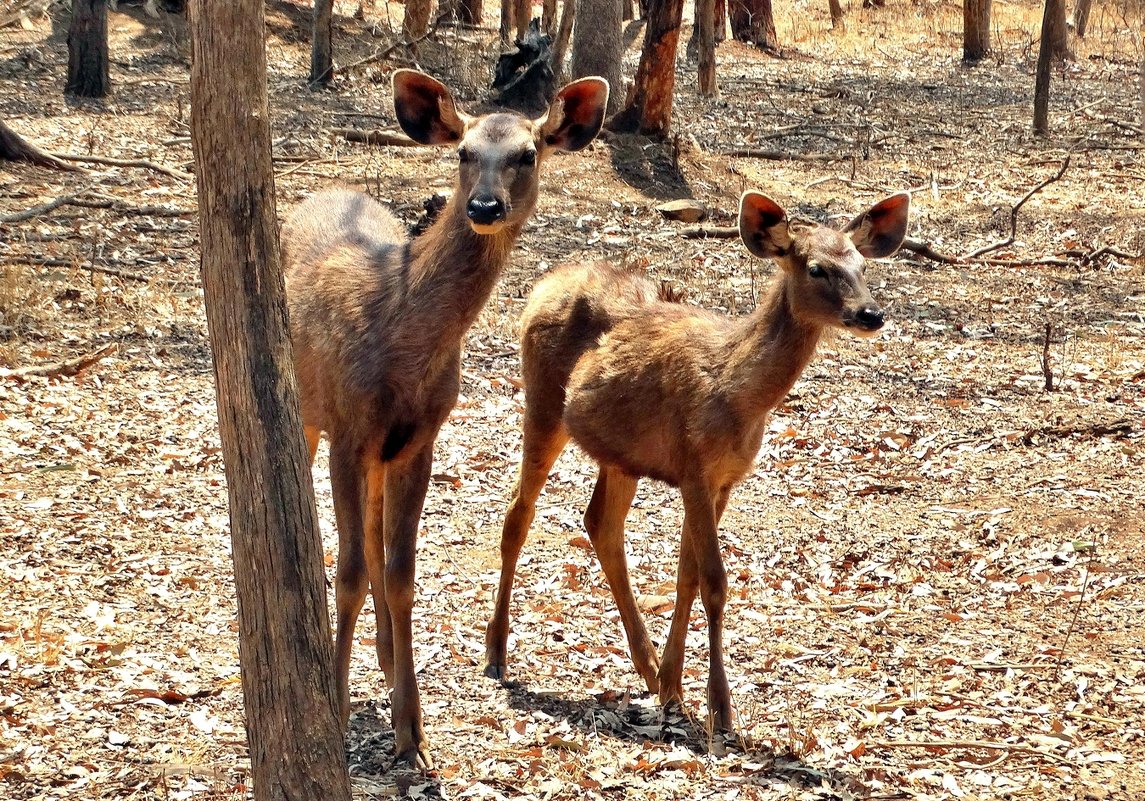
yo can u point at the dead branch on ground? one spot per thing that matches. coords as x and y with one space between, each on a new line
98 202
375 137
147 165
1017 748
779 155
14 147
67 367
1014 214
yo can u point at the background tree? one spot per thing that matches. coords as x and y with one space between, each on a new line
416 19
975 29
706 34
561 45
1081 17
471 12
837 21
1060 33
597 44
285 653
322 49
87 50
649 107
753 22
1053 18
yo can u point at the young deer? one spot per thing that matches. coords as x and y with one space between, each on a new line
378 321
653 388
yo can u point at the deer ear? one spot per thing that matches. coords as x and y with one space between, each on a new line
763 226
880 230
575 116
426 110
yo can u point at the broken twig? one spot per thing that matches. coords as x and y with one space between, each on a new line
1014 213
67 367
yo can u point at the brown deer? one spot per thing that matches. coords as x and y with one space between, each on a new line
378 321
654 388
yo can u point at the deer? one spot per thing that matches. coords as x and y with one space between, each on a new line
377 322
649 387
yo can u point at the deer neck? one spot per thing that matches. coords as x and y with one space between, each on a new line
769 352
453 269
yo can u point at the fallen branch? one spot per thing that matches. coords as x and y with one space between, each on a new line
1016 748
95 268
779 155
713 232
147 165
68 367
101 202
384 53
14 147
376 137
920 248
1014 213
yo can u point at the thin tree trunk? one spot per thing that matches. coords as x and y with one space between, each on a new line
1143 96
416 19
471 12
706 25
1060 33
596 45
88 74
721 20
14 148
649 109
506 20
837 21
975 29
321 46
628 12
285 654
1045 62
549 16
521 12
564 36
1081 17
754 22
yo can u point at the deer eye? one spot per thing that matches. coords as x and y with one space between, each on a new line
528 158
464 156
817 271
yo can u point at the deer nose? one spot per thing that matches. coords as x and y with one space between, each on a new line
485 209
870 318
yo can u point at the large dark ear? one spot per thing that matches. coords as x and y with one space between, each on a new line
426 110
763 226
880 230
575 115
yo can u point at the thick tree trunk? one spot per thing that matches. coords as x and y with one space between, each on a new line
470 12
1054 10
293 729
522 12
753 22
561 45
14 148
596 46
416 19
321 46
87 50
975 29
706 26
1081 17
837 21
649 109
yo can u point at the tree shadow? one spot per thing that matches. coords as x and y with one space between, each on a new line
648 165
370 758
638 720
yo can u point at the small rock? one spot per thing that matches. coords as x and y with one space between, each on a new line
688 211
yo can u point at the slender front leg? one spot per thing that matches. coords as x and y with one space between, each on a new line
406 483
700 506
604 520
313 435
350 584
542 444
375 548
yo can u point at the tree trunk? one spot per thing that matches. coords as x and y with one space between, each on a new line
471 12
753 22
506 20
628 11
649 109
975 29
87 50
321 46
1060 33
706 25
14 148
721 20
1045 62
293 730
1081 17
561 46
522 11
549 16
596 46
416 19
1143 96
837 21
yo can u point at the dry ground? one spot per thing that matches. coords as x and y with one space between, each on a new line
936 570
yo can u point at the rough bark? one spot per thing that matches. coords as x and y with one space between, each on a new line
470 12
596 46
88 74
416 19
837 21
285 653
1054 10
706 27
561 46
321 47
1143 94
506 20
628 10
13 147
975 29
753 22
1081 17
649 108
721 20
549 16
1059 37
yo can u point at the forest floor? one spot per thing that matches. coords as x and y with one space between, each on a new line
937 571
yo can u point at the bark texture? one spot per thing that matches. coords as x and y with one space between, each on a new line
322 48
1052 17
649 109
285 654
837 20
706 30
1059 32
596 46
1081 17
561 45
471 12
88 74
754 22
975 29
416 19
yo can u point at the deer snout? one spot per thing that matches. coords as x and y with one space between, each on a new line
484 210
870 318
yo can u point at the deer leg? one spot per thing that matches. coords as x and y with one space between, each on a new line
312 436
406 483
604 520
672 663
375 552
542 445
351 582
701 507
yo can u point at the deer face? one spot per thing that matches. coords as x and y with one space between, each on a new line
498 154
826 283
